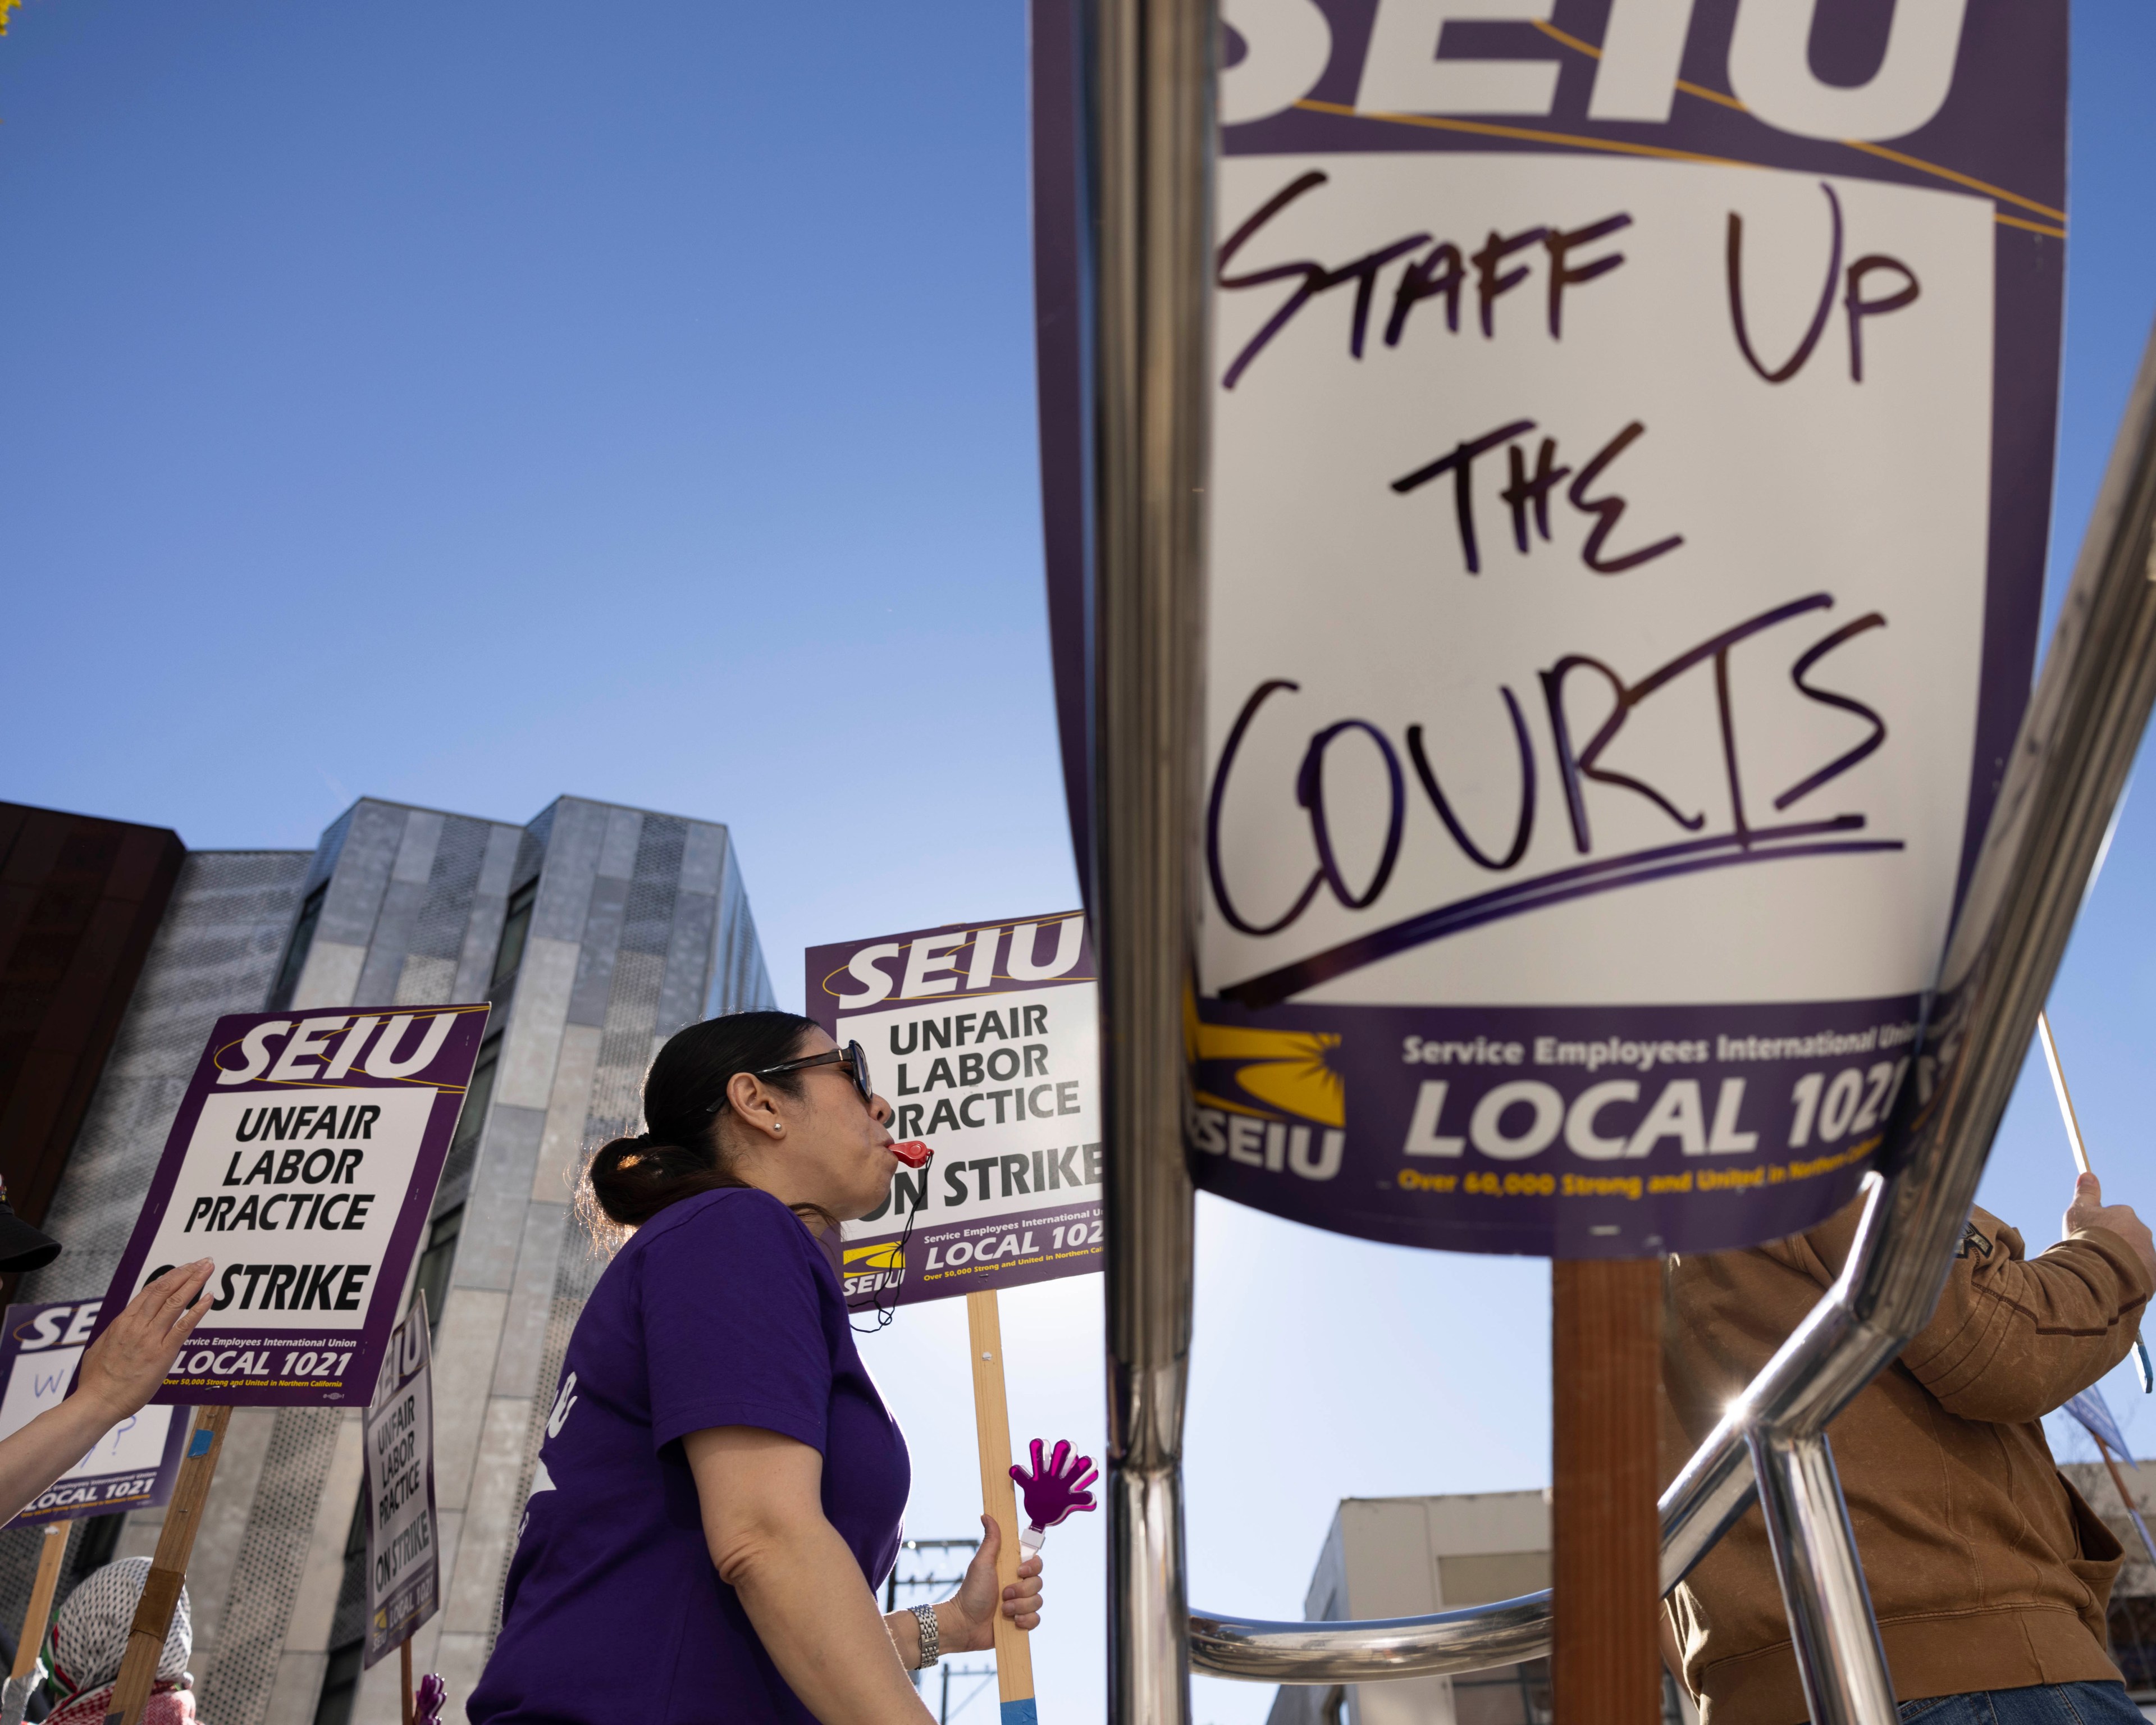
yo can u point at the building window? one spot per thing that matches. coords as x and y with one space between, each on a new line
516 928
1504 1695
472 1121
346 1661
341 1685
435 1260
296 950
2132 1625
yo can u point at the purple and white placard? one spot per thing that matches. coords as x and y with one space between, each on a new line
132 1466
303 1161
403 1543
985 1039
1632 432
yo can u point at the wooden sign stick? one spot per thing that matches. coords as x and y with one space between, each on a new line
41 1598
1606 1358
2143 1368
2126 1497
992 1422
168 1569
2058 1088
404 1665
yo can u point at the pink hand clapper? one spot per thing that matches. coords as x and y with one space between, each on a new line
1054 1489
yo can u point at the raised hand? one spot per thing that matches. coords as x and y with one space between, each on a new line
126 1364
2089 1210
1054 1488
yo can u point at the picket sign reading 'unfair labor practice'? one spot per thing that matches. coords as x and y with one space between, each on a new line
304 1161
986 1042
403 1555
985 1039
132 1466
1632 433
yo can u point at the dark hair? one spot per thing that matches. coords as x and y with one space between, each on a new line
680 1153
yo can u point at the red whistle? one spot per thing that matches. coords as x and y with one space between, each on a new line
912 1152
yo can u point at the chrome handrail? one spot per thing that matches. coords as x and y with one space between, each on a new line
2067 770
1501 1634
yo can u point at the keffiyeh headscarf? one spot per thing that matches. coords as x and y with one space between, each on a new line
89 1639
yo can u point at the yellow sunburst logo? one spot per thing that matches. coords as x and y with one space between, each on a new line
885 1256
1288 1070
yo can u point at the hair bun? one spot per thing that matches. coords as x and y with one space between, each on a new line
631 1180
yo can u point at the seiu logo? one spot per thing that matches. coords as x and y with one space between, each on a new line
1269 1099
58 1327
1046 950
324 1050
1288 44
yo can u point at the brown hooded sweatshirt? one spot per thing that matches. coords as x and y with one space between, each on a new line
1986 1568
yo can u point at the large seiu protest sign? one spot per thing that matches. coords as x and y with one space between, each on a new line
1631 444
303 1160
986 1041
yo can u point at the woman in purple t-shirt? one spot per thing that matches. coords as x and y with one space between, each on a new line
720 1488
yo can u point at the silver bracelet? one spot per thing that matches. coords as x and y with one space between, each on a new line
932 1637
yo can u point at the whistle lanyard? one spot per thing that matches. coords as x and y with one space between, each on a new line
885 1313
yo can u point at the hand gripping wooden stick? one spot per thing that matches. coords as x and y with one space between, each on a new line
992 1425
2142 1366
168 1569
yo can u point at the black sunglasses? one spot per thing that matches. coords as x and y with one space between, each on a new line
852 1057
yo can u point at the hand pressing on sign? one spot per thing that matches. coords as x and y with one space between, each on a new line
124 1365
119 1373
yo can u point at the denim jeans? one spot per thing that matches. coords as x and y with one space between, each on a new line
2046 1704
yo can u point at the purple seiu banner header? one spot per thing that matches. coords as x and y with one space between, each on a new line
1631 446
984 1037
303 1161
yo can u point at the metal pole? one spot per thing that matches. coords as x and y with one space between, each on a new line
2068 769
1838 1655
1148 107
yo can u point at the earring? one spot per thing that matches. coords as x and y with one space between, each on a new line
777 1127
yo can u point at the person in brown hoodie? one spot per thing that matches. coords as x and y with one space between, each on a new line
1988 1573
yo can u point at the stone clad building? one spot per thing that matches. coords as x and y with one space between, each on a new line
597 931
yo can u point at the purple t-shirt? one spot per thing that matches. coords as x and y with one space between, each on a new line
720 1311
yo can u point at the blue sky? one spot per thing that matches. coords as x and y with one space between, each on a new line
466 405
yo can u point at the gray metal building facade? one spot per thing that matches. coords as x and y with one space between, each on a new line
597 931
